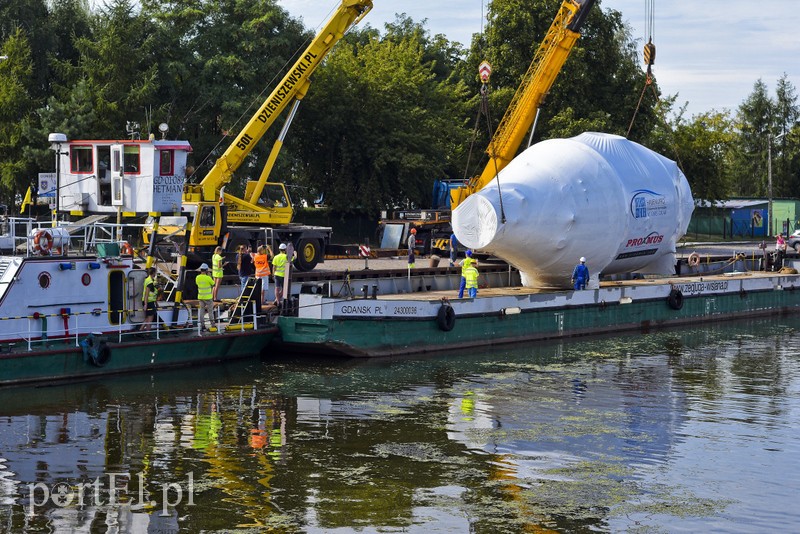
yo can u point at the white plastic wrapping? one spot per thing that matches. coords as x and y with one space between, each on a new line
601 196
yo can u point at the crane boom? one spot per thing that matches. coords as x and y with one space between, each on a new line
225 220
521 112
293 86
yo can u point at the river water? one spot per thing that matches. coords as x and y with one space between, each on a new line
673 431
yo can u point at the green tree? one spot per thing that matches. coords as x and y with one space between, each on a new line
16 107
786 180
378 127
754 122
218 62
705 144
116 71
32 17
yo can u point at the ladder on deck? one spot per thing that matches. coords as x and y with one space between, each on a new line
244 303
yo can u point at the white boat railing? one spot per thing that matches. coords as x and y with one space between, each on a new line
73 331
17 231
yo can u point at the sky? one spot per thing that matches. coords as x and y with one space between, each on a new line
708 53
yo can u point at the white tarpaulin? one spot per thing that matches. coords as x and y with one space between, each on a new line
601 196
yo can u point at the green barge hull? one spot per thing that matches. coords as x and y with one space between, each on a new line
61 359
402 324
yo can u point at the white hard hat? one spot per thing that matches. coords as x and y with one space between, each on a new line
583 260
204 267
283 246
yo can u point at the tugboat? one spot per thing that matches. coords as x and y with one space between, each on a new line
68 314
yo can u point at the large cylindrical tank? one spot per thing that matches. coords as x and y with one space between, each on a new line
600 196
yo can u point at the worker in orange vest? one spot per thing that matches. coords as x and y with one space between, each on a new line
261 263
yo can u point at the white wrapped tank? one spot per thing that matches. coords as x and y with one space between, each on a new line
601 196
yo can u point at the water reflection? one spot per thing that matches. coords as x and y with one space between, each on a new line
686 430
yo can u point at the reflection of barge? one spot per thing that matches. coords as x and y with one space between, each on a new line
406 323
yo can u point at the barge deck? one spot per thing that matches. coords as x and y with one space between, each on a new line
412 322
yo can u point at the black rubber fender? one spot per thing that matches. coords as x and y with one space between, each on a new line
95 351
102 355
446 318
675 299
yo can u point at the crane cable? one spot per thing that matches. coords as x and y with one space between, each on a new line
649 60
483 109
485 105
649 53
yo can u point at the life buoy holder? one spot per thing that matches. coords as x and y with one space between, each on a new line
42 242
675 299
126 249
694 259
446 318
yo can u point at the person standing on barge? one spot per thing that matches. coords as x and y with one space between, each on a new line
580 275
780 252
205 295
149 298
217 265
471 277
412 244
261 262
279 271
465 264
244 264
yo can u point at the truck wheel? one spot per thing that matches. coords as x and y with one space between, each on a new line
309 254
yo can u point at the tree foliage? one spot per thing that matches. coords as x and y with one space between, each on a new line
16 108
390 111
381 123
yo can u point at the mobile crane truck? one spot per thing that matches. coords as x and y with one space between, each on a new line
265 214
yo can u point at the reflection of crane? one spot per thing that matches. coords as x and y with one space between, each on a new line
519 117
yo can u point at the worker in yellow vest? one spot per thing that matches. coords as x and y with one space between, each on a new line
261 263
465 264
149 298
217 265
471 278
205 295
279 272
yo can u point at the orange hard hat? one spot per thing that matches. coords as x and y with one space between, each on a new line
413 230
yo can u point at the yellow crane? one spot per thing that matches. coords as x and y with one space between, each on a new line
539 78
220 218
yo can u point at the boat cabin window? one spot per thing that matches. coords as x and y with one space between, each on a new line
130 159
273 196
80 159
167 158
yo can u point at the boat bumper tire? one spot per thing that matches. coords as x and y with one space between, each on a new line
95 350
446 318
675 299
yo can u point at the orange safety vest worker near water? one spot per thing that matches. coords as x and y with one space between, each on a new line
261 262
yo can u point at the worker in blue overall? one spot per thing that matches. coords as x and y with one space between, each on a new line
580 275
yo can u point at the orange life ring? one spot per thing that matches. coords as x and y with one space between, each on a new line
126 249
42 242
694 259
